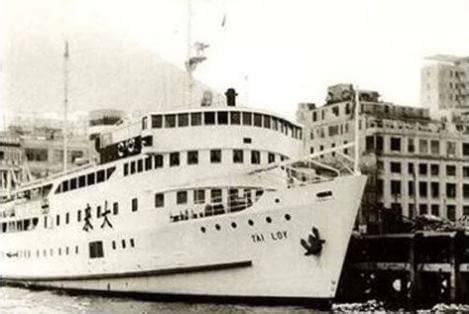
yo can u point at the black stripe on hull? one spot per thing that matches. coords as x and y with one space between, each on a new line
137 274
313 303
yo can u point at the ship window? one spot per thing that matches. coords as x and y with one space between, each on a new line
215 155
109 172
76 249
274 123
98 211
192 157
57 221
196 118
123 243
324 194
238 156
266 121
159 200
79 215
247 140
65 186
156 121
183 119
67 218
132 167
209 118
235 118
45 221
222 117
247 118
148 163
113 245
181 197
199 196
73 184
60 251
139 165
255 157
158 161
173 159
81 181
90 178
170 121
144 123
132 242
134 204
115 208
258 120
126 169
96 249
100 176
271 157
215 195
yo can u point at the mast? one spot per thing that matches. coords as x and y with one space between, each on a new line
356 164
65 122
189 40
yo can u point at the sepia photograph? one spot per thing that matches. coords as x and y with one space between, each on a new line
234 156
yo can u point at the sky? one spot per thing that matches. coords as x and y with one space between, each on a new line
130 54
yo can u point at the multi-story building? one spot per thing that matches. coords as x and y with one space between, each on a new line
445 84
416 165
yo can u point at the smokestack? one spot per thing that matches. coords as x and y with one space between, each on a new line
231 97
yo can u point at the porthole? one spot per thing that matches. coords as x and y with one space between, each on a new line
250 222
217 226
233 224
287 217
277 200
268 219
202 229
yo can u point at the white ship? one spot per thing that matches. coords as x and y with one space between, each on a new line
192 204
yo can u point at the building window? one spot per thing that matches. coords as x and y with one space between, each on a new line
395 187
395 144
435 189
435 147
192 157
410 168
411 210
423 146
450 190
395 167
423 169
410 145
257 120
115 208
423 189
173 159
379 144
434 169
369 143
451 170
465 191
222 117
181 197
134 204
465 172
199 196
148 163
411 188
465 149
247 118
451 212
423 209
159 200
238 156
215 155
451 148
255 157
96 249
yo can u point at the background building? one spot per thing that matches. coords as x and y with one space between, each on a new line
416 165
445 84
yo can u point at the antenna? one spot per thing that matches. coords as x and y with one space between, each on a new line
356 164
65 123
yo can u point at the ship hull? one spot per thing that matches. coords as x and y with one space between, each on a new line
259 255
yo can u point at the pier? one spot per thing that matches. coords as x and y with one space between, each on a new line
414 268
